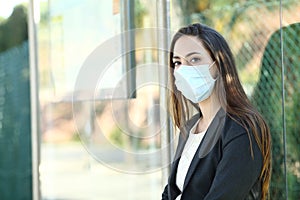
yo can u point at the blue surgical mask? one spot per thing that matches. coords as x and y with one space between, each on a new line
194 82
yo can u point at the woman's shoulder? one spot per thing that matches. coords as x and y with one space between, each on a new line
234 127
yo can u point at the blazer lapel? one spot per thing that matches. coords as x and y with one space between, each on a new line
174 190
211 137
182 139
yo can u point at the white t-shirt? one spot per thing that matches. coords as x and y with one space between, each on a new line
187 156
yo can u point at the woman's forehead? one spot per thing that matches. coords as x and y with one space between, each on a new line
187 44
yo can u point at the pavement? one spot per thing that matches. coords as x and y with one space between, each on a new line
69 172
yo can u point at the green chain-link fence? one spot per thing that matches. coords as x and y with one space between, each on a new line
15 131
15 127
267 97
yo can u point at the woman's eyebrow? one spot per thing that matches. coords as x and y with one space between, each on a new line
187 55
192 53
176 57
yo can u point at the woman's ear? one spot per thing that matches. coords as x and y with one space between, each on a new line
214 70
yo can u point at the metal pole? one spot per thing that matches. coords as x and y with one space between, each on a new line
128 26
163 23
283 104
33 18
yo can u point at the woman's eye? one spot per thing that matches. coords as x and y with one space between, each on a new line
195 60
176 63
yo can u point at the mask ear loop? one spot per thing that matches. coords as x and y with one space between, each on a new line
210 66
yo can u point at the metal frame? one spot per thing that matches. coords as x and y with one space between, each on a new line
163 41
33 17
127 23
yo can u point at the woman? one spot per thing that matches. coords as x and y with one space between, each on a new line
223 151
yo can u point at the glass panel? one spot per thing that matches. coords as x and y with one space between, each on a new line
75 32
15 124
252 29
92 147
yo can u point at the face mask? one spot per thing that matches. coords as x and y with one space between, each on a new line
194 82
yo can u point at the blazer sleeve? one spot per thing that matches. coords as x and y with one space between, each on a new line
237 170
165 194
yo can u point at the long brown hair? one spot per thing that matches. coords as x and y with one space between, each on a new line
229 91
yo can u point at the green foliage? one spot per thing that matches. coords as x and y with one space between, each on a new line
76 137
44 16
13 31
116 137
139 13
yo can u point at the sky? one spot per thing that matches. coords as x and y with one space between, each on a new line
7 6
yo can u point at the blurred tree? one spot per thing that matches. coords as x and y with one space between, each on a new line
13 31
189 7
225 15
139 13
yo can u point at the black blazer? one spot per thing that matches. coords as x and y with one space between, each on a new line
222 167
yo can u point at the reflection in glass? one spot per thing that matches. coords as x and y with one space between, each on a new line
93 147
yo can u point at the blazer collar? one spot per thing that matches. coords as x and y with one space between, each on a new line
209 140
